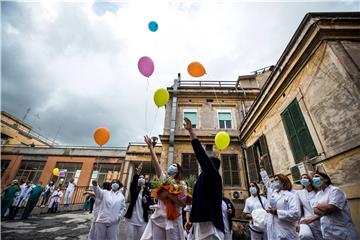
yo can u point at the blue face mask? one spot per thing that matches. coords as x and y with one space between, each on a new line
305 182
317 182
141 181
275 185
115 186
253 190
172 170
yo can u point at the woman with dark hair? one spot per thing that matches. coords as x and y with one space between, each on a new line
255 201
309 222
283 207
159 226
111 210
333 208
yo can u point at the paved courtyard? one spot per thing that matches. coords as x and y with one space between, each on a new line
70 225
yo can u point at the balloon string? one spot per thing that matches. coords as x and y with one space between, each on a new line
146 104
157 110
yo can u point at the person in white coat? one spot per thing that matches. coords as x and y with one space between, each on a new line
254 202
92 233
55 201
20 199
159 227
309 222
111 211
69 192
283 206
331 204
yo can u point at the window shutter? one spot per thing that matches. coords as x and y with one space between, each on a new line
251 165
291 133
264 149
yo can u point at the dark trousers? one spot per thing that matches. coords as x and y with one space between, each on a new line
45 198
92 201
14 210
29 207
4 206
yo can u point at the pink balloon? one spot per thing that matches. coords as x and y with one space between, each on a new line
146 66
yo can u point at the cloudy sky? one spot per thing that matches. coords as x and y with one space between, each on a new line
74 63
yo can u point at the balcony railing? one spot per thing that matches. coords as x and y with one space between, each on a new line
191 83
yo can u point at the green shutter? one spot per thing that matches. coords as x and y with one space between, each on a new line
251 165
298 134
265 151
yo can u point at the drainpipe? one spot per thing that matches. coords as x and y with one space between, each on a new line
173 121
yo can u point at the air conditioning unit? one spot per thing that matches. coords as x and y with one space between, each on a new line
300 169
236 195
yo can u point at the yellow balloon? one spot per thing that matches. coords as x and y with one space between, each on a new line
56 171
161 97
222 140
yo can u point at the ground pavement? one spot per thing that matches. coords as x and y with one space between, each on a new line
59 226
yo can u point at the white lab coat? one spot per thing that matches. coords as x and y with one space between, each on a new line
111 210
21 198
282 225
251 204
136 224
307 201
69 192
159 227
336 225
92 234
55 198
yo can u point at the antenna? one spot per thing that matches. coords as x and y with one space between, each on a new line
57 133
27 112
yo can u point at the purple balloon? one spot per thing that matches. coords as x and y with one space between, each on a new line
146 66
61 173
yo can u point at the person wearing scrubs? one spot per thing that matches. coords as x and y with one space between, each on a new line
228 212
111 210
283 206
309 222
138 210
333 208
33 199
158 226
9 197
255 201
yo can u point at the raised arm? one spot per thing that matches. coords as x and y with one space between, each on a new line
154 158
201 156
264 176
97 190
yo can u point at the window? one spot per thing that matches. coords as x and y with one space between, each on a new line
4 138
105 172
189 165
224 119
192 116
230 168
253 154
72 170
30 171
301 143
4 165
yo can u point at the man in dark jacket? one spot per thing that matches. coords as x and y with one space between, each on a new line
137 213
206 213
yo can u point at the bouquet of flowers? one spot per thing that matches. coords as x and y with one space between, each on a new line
174 189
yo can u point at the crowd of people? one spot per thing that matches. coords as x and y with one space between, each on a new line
319 210
27 194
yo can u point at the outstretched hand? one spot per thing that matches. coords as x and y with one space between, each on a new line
187 124
148 141
139 168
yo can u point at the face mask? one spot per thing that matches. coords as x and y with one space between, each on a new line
253 190
115 186
316 182
305 182
172 170
275 185
141 181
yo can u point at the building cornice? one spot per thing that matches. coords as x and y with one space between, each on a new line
313 30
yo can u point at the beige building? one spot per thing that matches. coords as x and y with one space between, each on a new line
212 106
307 115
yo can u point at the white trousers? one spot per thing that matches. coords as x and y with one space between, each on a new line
105 231
92 235
68 196
257 236
134 232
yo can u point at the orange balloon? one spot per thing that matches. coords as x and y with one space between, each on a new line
101 135
196 69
